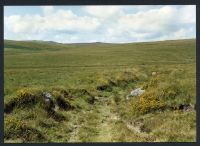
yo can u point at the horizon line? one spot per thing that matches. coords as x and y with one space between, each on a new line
99 41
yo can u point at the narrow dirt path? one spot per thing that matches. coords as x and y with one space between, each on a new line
105 125
102 125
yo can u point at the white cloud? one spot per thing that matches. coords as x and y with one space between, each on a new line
47 9
60 20
180 33
187 14
103 11
104 23
148 21
171 22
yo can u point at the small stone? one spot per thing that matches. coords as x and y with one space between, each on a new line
96 98
153 73
47 95
127 97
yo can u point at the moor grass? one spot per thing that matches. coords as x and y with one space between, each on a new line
89 83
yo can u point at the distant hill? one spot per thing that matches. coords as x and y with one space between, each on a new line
51 45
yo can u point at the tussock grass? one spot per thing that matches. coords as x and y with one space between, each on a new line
123 79
19 129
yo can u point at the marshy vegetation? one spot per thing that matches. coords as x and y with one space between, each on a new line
77 93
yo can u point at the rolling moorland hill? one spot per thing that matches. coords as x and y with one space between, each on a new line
57 92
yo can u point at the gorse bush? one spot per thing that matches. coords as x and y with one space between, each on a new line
24 98
147 103
173 90
29 97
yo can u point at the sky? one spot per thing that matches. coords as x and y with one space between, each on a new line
110 24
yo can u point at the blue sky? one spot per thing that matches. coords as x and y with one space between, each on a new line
114 24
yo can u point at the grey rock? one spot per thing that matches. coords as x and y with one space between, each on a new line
48 100
47 95
137 92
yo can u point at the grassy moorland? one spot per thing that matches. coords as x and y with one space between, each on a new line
89 83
